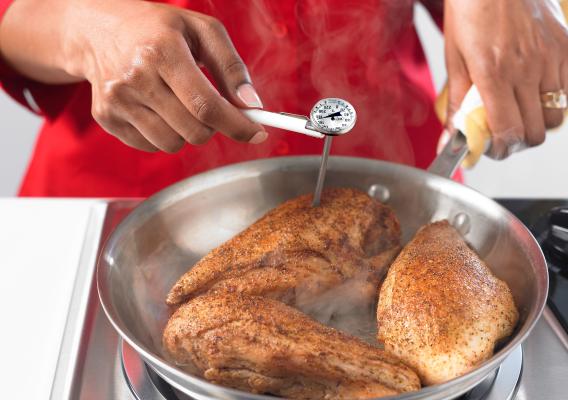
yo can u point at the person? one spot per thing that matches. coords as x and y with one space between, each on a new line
136 95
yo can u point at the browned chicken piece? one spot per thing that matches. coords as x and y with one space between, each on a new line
441 310
299 250
261 345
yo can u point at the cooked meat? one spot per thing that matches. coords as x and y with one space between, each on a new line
261 345
299 249
441 310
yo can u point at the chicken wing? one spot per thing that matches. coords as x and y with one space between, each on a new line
299 250
261 345
441 310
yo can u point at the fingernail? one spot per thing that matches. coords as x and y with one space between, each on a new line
249 96
258 137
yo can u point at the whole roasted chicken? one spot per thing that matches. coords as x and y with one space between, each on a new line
441 310
296 252
261 345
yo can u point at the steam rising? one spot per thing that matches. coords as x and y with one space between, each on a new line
347 49
349 307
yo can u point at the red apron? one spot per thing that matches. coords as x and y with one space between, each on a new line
297 52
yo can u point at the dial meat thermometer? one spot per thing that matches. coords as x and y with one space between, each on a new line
328 118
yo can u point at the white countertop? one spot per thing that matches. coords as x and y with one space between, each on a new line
40 249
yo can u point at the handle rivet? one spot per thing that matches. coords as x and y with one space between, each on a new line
379 192
462 223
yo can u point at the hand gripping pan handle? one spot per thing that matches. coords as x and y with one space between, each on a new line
471 139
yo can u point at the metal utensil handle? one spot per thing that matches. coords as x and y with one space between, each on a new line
294 123
451 156
322 171
471 130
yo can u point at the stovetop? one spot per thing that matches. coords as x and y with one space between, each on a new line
93 363
537 216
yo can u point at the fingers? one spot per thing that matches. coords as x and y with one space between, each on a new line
126 133
164 103
131 137
512 59
532 113
516 117
551 82
503 117
216 51
149 111
143 129
536 118
155 129
159 98
107 112
199 96
117 110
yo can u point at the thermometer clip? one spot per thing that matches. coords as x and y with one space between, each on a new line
290 122
329 117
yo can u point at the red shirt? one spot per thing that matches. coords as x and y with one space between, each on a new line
297 52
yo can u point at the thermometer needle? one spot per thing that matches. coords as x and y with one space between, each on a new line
322 171
335 114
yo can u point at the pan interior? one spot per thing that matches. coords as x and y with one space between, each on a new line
171 231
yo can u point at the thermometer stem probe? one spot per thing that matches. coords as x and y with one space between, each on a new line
328 117
323 169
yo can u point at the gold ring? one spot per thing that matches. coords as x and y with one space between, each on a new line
554 100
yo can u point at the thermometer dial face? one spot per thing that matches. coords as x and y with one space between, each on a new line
333 116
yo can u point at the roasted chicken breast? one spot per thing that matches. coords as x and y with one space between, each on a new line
261 345
441 310
296 249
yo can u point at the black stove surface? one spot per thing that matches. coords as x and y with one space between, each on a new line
548 221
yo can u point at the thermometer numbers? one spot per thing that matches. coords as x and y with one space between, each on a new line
333 116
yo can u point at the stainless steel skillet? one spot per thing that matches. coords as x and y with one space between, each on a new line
170 231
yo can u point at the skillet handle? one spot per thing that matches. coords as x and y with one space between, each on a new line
471 120
451 156
471 139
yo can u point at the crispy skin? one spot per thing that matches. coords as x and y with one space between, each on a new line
441 310
296 248
261 345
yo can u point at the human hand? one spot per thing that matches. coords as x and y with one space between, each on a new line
142 60
513 51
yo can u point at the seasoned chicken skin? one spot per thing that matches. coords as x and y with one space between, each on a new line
261 345
296 248
441 310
